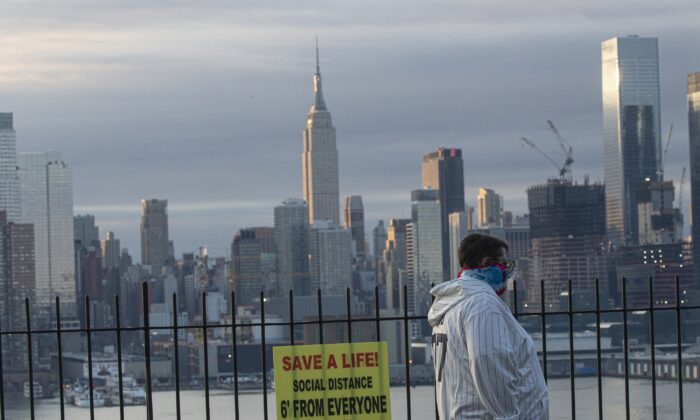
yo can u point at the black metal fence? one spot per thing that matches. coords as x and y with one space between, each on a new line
406 318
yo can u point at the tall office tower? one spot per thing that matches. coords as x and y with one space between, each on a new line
266 235
427 247
9 178
85 230
443 171
246 272
694 137
489 208
320 159
471 223
659 223
46 186
292 240
379 237
354 219
567 232
155 243
631 127
394 261
458 230
17 282
330 254
17 273
111 252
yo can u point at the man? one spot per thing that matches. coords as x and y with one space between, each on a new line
486 366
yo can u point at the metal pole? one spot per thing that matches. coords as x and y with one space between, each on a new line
147 351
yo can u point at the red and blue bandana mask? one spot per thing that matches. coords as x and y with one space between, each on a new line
495 275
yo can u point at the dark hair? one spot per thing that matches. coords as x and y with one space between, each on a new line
475 247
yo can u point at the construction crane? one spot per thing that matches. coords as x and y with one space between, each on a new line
660 172
565 168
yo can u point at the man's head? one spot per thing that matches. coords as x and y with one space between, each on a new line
477 250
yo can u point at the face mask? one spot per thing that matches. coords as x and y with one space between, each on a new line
495 275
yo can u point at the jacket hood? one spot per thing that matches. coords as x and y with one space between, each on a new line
450 293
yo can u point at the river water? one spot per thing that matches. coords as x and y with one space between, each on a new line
422 403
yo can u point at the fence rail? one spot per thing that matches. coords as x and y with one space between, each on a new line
349 320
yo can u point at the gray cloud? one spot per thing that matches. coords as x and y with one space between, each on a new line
204 103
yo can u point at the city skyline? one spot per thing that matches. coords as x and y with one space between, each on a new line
371 112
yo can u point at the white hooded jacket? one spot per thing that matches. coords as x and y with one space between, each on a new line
486 366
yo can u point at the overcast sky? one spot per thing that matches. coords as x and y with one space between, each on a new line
203 103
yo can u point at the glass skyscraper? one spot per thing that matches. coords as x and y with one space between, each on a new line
46 185
631 129
694 137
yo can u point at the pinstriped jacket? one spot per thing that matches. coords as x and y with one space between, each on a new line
486 366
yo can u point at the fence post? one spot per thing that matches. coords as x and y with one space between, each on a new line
89 348
652 342
205 342
176 342
147 351
234 362
59 350
679 342
29 359
543 307
117 315
407 350
572 361
625 340
597 349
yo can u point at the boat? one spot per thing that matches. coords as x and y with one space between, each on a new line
38 390
83 399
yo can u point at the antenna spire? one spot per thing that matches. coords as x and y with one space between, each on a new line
318 66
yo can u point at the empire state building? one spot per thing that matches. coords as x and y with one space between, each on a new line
320 159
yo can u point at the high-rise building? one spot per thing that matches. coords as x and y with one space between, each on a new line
330 255
631 130
658 222
292 240
17 282
86 232
320 159
471 223
266 235
9 178
354 220
17 273
567 233
246 272
427 247
489 208
694 137
111 252
458 230
443 171
379 237
394 261
46 185
155 243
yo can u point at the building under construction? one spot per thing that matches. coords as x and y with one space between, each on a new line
567 232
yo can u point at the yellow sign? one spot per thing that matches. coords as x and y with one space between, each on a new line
333 381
